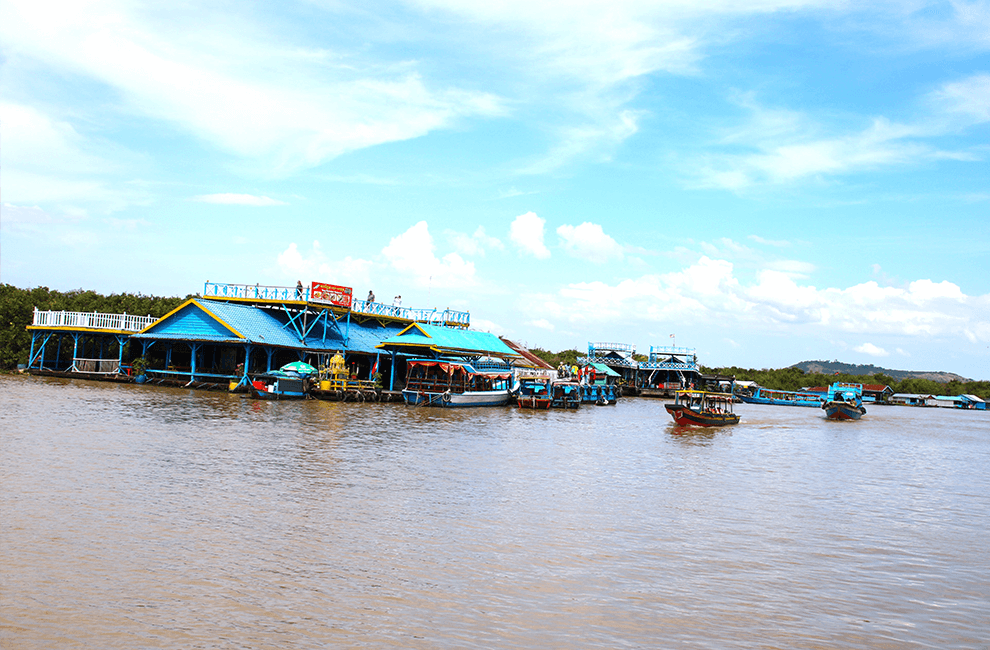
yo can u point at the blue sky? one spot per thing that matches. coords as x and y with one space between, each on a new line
770 181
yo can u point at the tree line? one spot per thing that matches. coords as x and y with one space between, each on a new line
17 312
796 379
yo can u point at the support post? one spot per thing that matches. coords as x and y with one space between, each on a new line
75 350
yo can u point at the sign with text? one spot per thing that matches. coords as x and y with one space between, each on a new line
331 293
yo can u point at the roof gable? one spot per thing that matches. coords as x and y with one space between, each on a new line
448 340
191 320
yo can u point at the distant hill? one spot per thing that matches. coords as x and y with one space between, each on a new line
833 367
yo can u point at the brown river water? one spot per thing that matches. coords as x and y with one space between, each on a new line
141 517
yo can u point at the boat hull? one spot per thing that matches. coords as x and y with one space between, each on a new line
685 416
843 411
454 400
533 402
275 394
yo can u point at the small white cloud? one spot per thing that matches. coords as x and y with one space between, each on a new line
903 353
315 266
474 244
412 254
526 232
238 199
542 323
770 242
871 350
589 242
482 325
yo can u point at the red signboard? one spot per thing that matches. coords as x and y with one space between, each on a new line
331 293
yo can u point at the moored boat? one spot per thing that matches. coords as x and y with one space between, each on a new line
844 402
781 397
546 393
453 383
279 386
702 408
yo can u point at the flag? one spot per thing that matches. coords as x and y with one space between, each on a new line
374 368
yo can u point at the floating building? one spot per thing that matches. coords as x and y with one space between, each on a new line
234 331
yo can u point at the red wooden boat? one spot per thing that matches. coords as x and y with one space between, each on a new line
701 408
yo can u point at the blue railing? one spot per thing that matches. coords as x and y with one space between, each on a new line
262 292
595 348
661 357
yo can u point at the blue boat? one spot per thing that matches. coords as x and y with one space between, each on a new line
540 392
781 397
277 385
598 384
452 383
844 401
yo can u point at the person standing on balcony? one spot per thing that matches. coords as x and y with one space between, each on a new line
371 296
397 304
299 291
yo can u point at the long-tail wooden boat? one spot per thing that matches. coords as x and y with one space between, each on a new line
452 383
702 409
844 402
781 397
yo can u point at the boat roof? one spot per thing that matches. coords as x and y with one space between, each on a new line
601 367
421 337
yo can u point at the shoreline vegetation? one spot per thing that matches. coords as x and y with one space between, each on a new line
17 309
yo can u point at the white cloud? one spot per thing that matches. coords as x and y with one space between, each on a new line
316 266
412 254
787 146
526 232
46 161
542 324
238 199
230 83
871 350
589 242
596 140
709 292
968 100
474 244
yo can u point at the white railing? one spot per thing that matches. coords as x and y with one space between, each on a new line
263 292
92 320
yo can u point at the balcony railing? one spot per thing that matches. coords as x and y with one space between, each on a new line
262 292
92 320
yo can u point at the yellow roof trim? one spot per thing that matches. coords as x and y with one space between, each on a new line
417 326
193 301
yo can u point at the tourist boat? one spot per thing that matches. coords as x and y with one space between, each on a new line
844 402
598 384
547 393
702 408
452 383
781 397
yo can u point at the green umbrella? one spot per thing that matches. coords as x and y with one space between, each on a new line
300 367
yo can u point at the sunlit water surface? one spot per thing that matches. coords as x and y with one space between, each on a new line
140 517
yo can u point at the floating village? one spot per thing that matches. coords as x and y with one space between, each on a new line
320 342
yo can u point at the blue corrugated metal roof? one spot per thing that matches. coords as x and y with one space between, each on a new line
448 340
224 322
